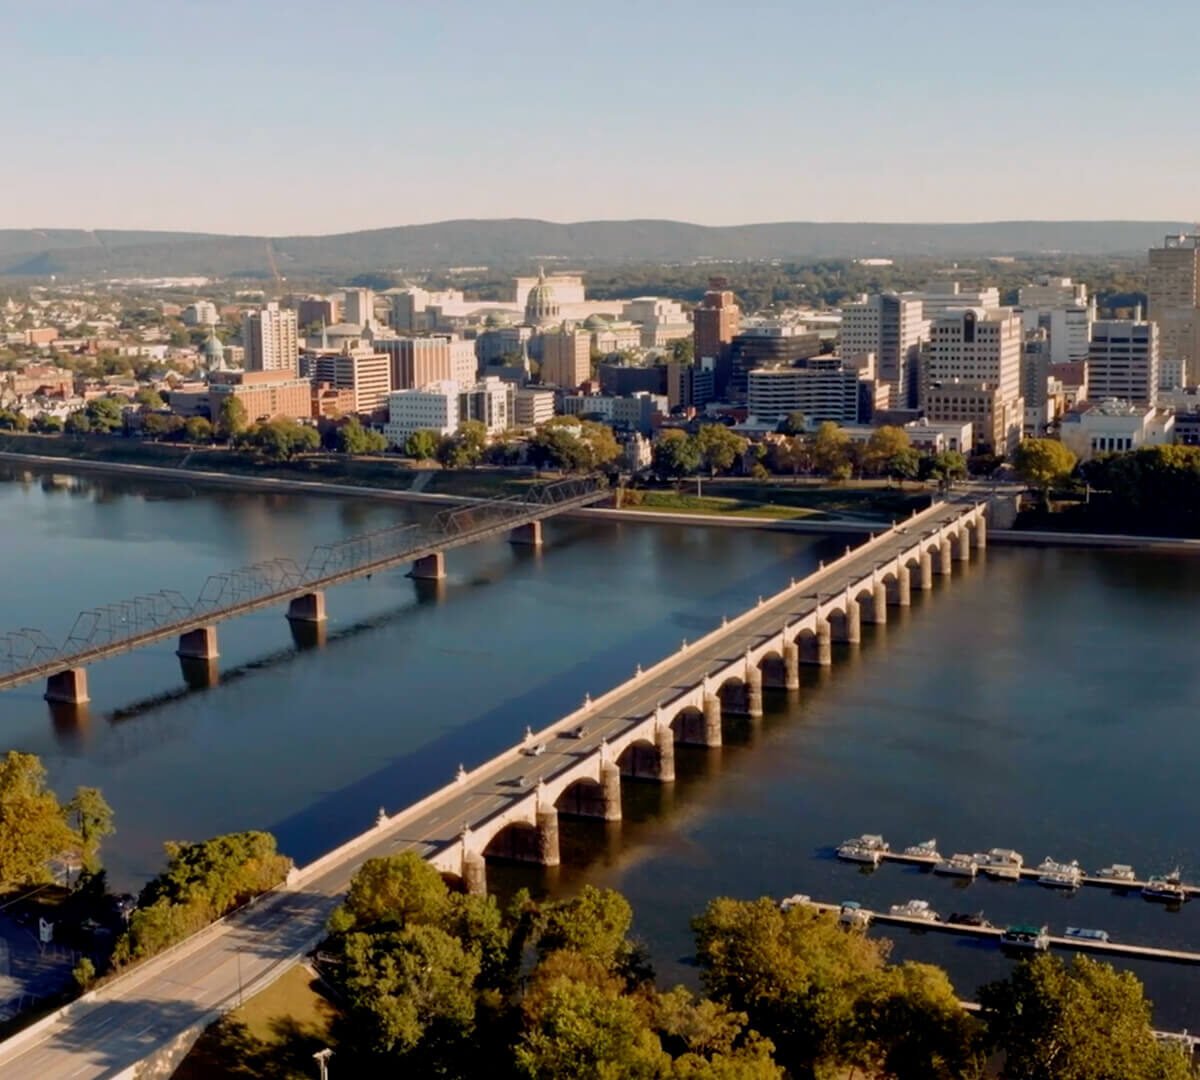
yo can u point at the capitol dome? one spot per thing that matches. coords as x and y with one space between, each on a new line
213 353
541 307
596 322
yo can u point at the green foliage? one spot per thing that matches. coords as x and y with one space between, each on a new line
797 975
84 973
353 438
1082 1022
1155 488
196 429
13 421
47 425
231 417
675 454
33 826
1042 463
573 445
394 891
593 924
682 350
280 440
719 447
149 398
422 445
946 466
795 423
92 818
886 444
831 451
202 882
158 425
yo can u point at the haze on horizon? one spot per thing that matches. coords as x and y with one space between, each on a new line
311 118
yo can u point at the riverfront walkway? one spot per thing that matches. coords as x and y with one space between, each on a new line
508 807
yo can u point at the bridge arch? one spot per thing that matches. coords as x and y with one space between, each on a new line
516 841
687 725
773 668
583 797
640 760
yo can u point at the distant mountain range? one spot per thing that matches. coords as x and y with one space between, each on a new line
117 253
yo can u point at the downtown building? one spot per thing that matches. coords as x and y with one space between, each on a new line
419 361
893 328
715 322
566 356
971 369
823 389
366 375
270 340
1173 291
1123 361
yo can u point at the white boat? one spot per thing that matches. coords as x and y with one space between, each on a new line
958 866
1060 875
854 915
916 909
867 848
1168 887
1002 863
927 849
793 901
1117 872
1083 934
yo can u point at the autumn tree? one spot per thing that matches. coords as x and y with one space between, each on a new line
675 454
92 819
1042 463
830 449
1085 1021
719 447
34 828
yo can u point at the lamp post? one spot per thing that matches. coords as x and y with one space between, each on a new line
322 1058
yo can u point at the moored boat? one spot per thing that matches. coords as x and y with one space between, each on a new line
1002 863
867 848
915 909
795 900
1117 872
1060 875
926 849
1022 936
1084 934
1168 887
854 915
958 866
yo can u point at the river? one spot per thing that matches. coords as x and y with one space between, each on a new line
1044 699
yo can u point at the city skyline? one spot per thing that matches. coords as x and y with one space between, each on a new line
301 120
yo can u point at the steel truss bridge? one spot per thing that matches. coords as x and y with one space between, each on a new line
28 654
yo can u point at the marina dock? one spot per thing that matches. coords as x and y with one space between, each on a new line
993 933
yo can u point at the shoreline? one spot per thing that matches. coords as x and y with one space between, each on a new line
1015 537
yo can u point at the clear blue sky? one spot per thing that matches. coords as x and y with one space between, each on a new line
305 117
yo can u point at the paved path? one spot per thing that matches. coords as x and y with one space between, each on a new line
140 1013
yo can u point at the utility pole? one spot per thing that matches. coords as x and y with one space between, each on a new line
322 1058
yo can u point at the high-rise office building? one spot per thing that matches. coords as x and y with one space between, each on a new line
358 368
892 327
269 337
417 362
1173 291
359 307
715 321
566 357
971 370
1123 361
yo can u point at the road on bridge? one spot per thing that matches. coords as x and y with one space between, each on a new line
145 1010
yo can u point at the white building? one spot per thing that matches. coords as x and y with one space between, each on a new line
939 297
933 437
662 321
1123 361
270 339
1051 292
892 327
359 307
201 313
1114 426
825 391
489 401
532 406
432 408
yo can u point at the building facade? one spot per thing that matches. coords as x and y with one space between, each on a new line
432 408
270 340
265 395
715 321
356 368
1173 291
566 357
1106 427
893 327
821 391
1123 361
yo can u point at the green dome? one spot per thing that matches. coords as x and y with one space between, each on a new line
213 351
596 322
541 306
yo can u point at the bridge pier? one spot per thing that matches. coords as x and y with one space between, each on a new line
200 673
878 606
529 534
547 836
962 548
791 666
754 692
712 721
925 575
902 594
851 632
309 608
474 873
664 739
198 644
824 643
610 786
68 687
945 558
430 568
981 532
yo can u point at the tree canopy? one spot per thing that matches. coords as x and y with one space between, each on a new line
34 827
1042 463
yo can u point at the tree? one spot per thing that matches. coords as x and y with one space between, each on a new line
594 924
1082 1022
231 417
197 429
675 454
602 446
408 986
903 465
92 818
1042 463
84 973
47 425
77 423
33 826
156 425
797 975
947 466
682 350
421 445
719 447
795 423
353 438
883 446
149 398
104 415
473 434
831 450
393 890
13 421
281 440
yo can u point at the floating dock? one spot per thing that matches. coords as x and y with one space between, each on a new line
1104 948
1030 873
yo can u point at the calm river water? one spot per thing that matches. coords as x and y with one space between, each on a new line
1045 700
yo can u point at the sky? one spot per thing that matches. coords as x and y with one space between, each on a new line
264 117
